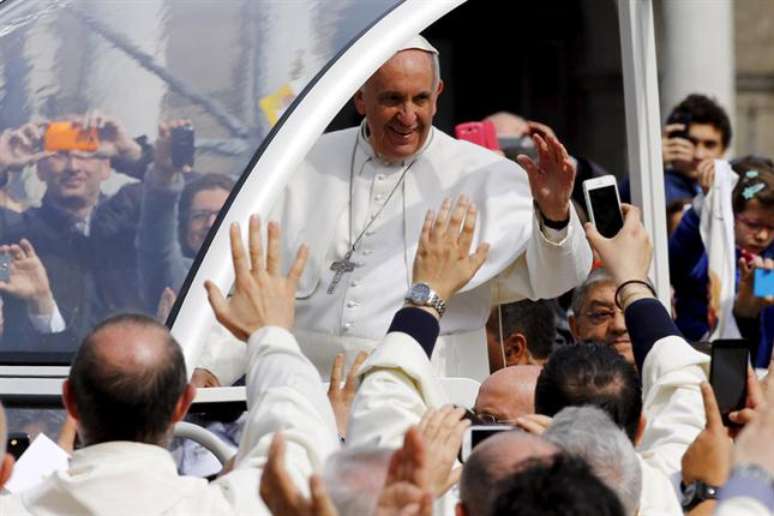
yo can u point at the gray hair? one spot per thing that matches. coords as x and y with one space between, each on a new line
589 433
579 294
354 477
436 62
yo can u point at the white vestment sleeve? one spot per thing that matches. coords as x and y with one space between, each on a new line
284 394
672 402
741 506
397 387
549 267
47 323
223 355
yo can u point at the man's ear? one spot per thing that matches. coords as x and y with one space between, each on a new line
640 430
516 349
360 101
68 399
438 91
6 468
184 403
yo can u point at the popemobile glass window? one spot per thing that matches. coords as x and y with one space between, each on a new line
124 127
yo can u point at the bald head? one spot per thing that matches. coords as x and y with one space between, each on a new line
509 393
126 381
493 460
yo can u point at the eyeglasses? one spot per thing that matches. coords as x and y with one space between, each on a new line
484 418
598 317
755 226
202 216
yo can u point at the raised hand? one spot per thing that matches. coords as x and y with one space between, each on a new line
677 152
21 147
407 489
443 258
341 397
551 180
709 455
706 175
753 445
162 152
281 496
262 296
28 279
746 303
442 430
114 141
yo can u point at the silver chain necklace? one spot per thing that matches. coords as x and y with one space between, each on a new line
345 265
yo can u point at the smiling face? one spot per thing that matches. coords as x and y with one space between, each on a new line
204 210
399 103
72 179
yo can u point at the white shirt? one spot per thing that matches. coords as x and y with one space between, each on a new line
126 478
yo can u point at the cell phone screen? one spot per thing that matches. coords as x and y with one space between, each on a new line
728 374
607 213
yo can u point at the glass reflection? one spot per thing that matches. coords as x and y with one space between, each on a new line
123 128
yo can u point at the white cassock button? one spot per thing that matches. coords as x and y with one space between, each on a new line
347 326
370 232
380 177
366 252
352 304
354 283
378 197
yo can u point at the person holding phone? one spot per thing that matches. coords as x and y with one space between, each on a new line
697 131
752 206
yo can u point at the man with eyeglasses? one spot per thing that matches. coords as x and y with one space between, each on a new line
596 318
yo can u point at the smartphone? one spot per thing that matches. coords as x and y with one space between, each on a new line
476 434
5 267
70 136
183 146
513 146
728 375
17 443
763 283
480 133
604 204
679 117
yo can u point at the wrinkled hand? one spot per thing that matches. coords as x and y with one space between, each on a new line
627 255
21 147
407 488
551 180
341 397
746 303
706 175
753 445
114 141
280 494
28 278
708 458
535 424
262 296
442 431
443 260
162 152
753 403
677 152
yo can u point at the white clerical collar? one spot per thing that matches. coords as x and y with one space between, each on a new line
365 145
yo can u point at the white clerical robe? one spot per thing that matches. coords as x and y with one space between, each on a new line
322 208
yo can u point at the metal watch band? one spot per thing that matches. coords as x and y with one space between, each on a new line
436 302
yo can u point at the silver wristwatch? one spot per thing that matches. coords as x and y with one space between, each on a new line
420 294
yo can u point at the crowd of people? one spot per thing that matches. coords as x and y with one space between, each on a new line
430 257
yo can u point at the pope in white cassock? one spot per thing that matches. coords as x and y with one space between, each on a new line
359 201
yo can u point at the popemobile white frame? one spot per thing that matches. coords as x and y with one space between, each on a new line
296 133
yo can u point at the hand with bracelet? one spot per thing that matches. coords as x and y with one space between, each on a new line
443 263
626 257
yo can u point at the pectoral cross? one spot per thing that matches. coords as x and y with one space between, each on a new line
340 267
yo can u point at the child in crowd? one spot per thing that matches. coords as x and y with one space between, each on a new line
752 204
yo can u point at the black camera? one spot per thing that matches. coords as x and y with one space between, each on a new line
182 146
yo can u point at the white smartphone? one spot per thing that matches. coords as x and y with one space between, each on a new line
475 434
603 204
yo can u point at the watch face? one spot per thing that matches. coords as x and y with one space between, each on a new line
420 293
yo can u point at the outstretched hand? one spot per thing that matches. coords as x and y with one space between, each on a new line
442 430
262 296
709 455
443 258
551 180
341 397
627 255
407 490
27 279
